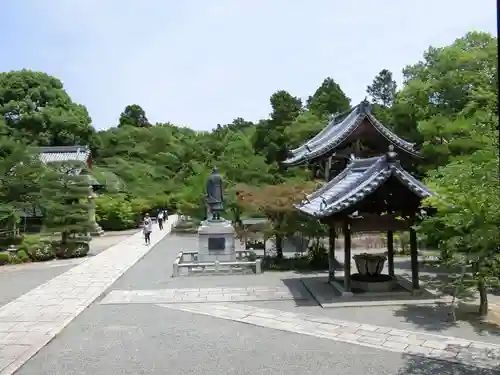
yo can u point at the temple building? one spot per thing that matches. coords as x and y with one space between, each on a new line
356 132
367 189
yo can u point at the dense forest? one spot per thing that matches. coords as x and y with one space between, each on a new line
447 104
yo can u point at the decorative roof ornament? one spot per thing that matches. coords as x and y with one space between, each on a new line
391 156
365 107
351 159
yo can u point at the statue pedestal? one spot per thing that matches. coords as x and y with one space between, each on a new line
216 241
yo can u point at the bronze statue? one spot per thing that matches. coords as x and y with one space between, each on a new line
215 194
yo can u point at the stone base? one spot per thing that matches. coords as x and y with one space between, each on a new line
399 287
97 233
96 230
216 241
376 286
184 267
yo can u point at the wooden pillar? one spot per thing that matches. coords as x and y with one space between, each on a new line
414 260
328 167
347 256
390 252
331 252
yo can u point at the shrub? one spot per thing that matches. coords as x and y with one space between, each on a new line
5 242
115 213
14 259
4 258
70 249
186 226
302 263
318 257
37 249
23 257
251 257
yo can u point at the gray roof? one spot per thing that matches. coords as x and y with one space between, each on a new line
64 153
361 178
75 153
338 130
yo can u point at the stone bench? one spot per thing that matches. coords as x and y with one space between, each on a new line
193 267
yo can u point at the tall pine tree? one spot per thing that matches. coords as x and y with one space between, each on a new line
383 88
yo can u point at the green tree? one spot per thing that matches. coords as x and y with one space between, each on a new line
64 201
269 137
20 181
466 224
328 100
134 115
275 202
383 88
451 83
37 110
239 161
304 127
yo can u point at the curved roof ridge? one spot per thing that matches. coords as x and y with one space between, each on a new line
327 129
413 184
360 179
393 137
337 132
374 180
366 163
348 180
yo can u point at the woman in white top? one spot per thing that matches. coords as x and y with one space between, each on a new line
147 229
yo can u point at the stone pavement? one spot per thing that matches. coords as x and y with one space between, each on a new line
21 278
32 320
190 295
475 353
144 337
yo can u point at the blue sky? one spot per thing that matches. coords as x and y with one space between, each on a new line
202 62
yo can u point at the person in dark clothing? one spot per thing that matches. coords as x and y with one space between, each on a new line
160 220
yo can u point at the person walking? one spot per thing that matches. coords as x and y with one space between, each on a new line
147 229
159 218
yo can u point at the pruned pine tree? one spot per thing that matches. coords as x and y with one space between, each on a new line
65 193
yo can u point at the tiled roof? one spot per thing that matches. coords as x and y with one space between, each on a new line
64 153
361 178
338 130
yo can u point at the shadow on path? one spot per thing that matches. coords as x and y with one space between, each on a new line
438 318
416 365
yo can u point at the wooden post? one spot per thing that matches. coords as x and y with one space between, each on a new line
414 260
331 252
328 167
390 252
347 256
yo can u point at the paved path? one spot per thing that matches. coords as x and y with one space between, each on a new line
479 354
21 278
132 331
31 321
189 295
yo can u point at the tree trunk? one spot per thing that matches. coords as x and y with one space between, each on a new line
64 237
279 246
483 298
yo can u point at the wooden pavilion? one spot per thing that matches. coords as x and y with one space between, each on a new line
366 188
370 195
